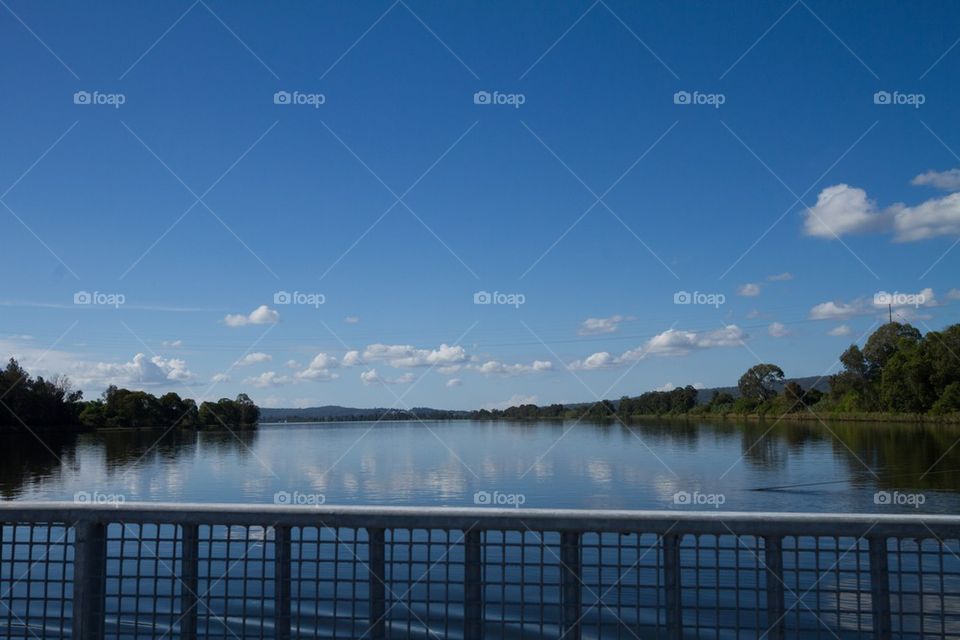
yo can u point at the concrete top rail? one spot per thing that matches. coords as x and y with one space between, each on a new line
716 522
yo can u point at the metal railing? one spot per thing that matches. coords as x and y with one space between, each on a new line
237 571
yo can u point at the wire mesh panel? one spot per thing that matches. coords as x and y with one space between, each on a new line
827 587
925 587
623 582
521 584
142 594
236 582
36 580
330 582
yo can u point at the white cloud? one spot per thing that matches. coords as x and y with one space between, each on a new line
923 298
842 209
261 315
778 330
253 358
947 180
669 386
749 289
953 294
292 364
319 368
842 330
594 326
220 377
352 359
173 344
495 367
669 343
372 377
780 277
454 382
753 313
406 356
268 379
141 371
836 310
352 319
598 360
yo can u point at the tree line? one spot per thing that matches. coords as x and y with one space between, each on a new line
27 403
898 371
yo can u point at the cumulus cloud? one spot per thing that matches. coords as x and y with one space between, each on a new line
780 277
172 344
514 401
842 330
139 371
253 358
669 343
669 386
352 319
947 180
953 294
372 377
407 356
268 379
778 330
836 310
454 382
842 209
261 315
352 359
595 326
220 377
319 368
495 367
749 290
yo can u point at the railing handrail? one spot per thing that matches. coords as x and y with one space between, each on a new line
481 518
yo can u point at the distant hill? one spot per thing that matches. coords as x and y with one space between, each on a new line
332 412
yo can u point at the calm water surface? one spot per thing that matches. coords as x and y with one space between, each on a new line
549 464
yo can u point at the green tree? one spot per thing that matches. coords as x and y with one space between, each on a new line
760 382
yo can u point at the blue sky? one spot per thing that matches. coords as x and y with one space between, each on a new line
199 199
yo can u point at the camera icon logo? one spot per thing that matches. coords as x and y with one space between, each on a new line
81 497
881 97
482 297
682 497
882 497
482 97
82 297
681 97
482 497
281 97
81 97
682 297
282 497
282 297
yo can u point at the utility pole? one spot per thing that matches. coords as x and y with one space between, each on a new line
890 311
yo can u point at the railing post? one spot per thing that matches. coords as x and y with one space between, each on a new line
773 559
89 579
472 586
671 580
282 579
189 554
570 584
879 587
378 590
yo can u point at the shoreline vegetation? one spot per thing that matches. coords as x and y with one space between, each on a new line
28 403
899 375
